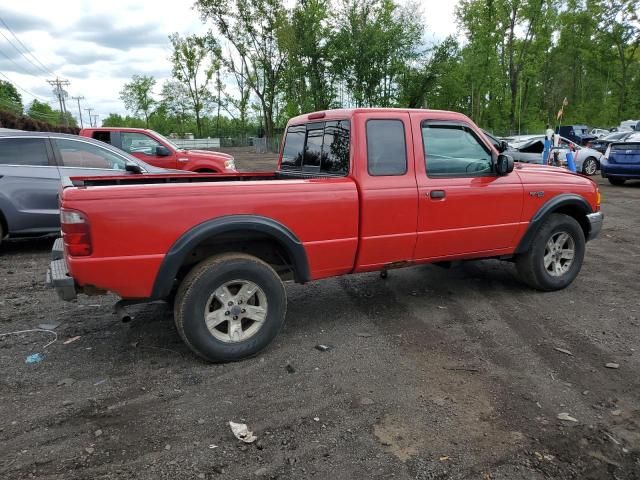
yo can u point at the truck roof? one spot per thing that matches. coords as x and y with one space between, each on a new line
342 113
131 129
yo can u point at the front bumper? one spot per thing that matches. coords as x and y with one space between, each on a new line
58 274
595 224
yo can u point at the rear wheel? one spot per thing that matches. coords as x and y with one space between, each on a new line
590 166
556 254
230 307
616 181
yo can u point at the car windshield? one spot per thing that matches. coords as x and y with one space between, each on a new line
166 140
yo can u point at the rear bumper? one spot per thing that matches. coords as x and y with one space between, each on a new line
619 170
58 274
595 224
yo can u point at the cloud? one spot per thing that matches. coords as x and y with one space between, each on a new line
75 57
101 31
23 22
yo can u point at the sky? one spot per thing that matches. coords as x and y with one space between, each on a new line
98 46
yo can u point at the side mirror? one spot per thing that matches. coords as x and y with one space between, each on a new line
162 151
133 168
503 146
504 164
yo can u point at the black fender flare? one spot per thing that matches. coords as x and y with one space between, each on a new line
559 201
177 254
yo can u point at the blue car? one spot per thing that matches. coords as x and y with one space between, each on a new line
621 162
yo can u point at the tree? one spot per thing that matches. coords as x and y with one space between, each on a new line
43 111
176 100
137 96
195 60
374 42
10 99
252 28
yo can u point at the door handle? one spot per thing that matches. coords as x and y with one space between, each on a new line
437 194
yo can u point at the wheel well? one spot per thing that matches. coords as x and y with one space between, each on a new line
257 244
5 227
577 213
205 170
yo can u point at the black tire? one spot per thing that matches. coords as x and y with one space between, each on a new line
196 290
616 181
590 166
531 265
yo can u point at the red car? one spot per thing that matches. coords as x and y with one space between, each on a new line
355 191
159 151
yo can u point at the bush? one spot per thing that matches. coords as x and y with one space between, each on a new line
22 122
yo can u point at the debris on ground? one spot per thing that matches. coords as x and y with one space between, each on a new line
612 365
364 334
34 358
71 340
97 433
49 326
290 368
66 382
322 348
100 382
366 401
242 433
562 350
89 450
566 417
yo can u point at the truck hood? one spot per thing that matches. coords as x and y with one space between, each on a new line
207 154
532 173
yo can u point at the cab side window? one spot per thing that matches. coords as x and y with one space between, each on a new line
453 150
386 148
139 143
23 151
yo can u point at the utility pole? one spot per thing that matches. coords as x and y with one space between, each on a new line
94 119
89 110
61 93
79 111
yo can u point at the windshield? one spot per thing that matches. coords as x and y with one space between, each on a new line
166 140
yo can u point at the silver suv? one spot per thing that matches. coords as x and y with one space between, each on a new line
31 167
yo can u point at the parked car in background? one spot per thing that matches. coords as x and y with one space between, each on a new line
500 145
599 132
578 134
530 150
621 162
601 144
31 166
630 125
155 149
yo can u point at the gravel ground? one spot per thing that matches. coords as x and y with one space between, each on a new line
430 374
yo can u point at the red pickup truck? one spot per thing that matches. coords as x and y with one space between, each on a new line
355 191
159 151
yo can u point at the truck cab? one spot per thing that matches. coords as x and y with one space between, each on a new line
157 150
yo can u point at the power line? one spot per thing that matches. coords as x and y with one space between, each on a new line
61 93
18 50
25 91
15 63
41 65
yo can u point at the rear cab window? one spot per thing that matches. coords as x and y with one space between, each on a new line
24 151
386 147
102 136
317 148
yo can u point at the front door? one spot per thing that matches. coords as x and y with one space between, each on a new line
464 207
29 183
144 147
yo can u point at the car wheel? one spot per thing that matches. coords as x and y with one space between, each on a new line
616 181
555 256
230 307
590 166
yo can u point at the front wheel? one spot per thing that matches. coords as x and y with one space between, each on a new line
556 254
590 166
230 307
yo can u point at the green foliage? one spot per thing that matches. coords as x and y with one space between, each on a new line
137 96
10 99
195 60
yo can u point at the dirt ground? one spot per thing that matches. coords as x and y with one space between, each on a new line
431 374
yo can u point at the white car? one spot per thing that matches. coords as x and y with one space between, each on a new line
599 132
530 150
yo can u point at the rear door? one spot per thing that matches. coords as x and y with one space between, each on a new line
144 147
388 194
464 207
29 182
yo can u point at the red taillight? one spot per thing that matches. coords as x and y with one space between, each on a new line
75 232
